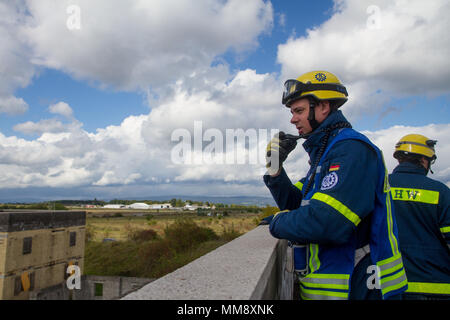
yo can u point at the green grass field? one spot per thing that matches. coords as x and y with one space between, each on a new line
119 228
153 246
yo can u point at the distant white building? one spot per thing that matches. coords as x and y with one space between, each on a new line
139 205
114 206
193 207
161 206
90 206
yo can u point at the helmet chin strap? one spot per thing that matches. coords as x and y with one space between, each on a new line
314 124
312 115
429 166
428 161
312 120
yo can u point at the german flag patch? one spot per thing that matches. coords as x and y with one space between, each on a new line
334 167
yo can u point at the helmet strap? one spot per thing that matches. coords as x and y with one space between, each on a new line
429 165
312 115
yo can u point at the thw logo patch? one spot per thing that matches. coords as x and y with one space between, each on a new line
329 181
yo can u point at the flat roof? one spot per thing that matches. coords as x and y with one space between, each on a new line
12 220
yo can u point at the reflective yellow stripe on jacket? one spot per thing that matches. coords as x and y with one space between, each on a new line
299 185
337 205
325 286
416 195
423 287
390 278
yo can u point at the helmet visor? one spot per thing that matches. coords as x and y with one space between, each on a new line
293 89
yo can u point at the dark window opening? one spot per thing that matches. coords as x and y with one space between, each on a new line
73 238
98 292
17 286
32 276
27 244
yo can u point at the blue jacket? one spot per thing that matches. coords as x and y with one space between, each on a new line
422 208
318 222
337 217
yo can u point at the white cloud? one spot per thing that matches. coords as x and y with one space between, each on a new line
137 44
404 53
119 156
111 178
61 108
42 126
12 105
138 151
167 46
16 69
53 125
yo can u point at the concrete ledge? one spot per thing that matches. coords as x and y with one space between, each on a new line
249 267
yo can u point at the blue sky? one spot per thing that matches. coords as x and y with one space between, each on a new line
94 108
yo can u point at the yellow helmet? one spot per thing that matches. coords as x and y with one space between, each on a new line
416 144
322 85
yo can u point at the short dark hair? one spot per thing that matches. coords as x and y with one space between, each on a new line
411 158
334 106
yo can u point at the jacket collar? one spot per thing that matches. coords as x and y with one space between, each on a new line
312 143
408 167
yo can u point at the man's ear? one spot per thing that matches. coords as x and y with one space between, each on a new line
425 163
324 107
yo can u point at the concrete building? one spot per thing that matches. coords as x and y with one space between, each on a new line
93 288
36 247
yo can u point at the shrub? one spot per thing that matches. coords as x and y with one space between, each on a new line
149 256
39 206
144 235
90 232
112 258
267 211
153 255
185 233
230 233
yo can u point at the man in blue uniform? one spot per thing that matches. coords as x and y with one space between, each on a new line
342 209
422 209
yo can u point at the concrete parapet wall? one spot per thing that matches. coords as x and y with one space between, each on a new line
251 267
